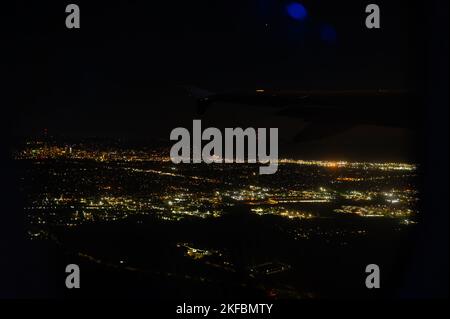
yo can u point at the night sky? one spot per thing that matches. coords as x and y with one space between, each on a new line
122 73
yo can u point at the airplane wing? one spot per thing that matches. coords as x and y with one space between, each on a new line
326 112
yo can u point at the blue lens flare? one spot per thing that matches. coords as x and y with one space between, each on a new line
297 11
328 34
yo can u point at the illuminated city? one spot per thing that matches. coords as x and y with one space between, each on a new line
204 195
73 187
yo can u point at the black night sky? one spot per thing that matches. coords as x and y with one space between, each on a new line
122 74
